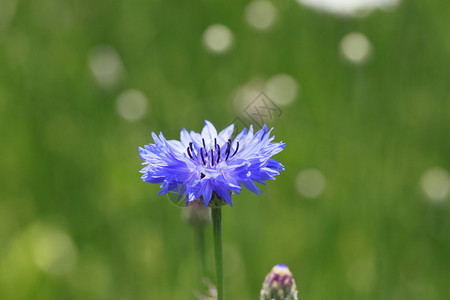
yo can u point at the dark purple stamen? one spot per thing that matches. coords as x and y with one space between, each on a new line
237 147
189 153
201 154
202 175
228 149
218 154
204 146
204 152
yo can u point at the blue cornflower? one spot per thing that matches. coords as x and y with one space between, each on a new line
202 164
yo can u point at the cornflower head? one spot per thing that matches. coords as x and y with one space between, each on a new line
211 165
279 285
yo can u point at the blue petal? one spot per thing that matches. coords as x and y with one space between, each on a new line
196 138
275 165
251 186
225 134
223 192
207 193
181 192
185 138
209 132
155 138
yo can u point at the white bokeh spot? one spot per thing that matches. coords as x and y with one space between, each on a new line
435 184
247 93
218 38
355 48
131 105
310 183
282 89
350 8
261 14
106 65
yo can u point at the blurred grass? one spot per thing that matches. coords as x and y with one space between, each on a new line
69 162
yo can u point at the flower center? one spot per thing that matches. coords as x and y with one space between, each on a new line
213 156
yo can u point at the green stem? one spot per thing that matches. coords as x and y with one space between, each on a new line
216 213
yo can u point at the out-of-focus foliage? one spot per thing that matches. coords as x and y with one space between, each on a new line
361 212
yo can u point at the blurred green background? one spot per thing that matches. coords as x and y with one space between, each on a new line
361 212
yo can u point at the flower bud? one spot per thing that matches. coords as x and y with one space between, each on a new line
196 214
279 285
